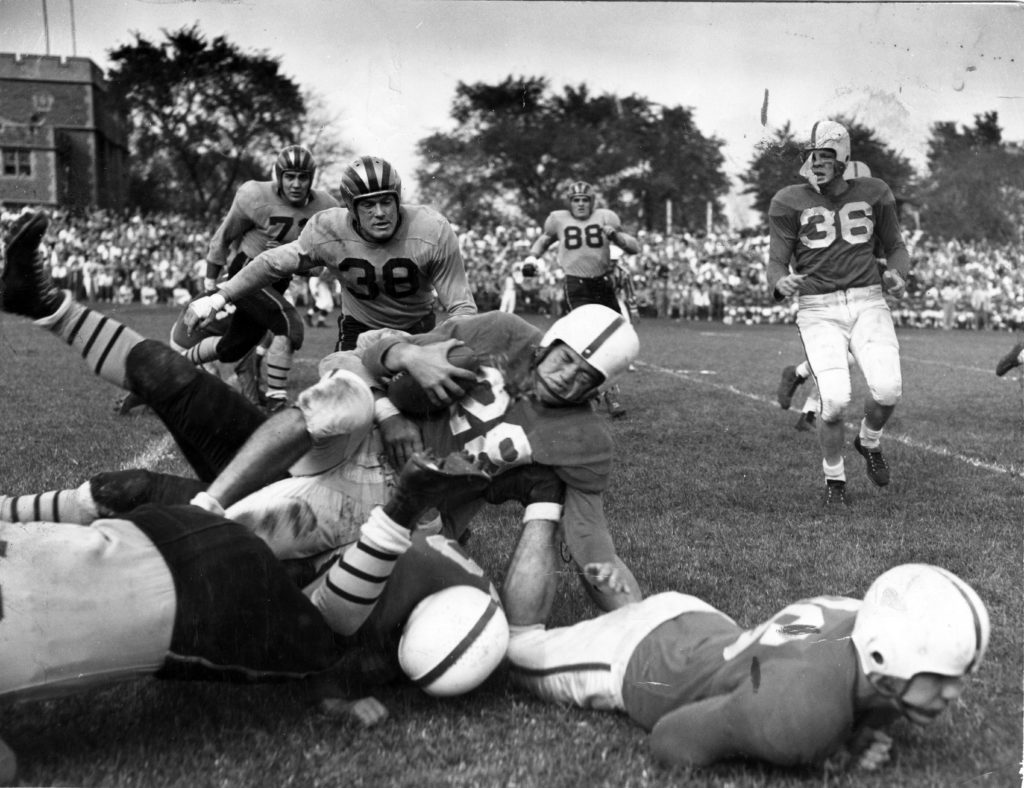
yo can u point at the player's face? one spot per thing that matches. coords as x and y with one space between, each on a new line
378 216
927 695
823 165
581 207
295 186
564 377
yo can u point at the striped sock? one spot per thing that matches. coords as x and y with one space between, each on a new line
358 578
55 506
278 364
203 351
103 342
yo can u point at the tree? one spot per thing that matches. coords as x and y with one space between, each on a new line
975 186
320 133
776 164
203 116
516 146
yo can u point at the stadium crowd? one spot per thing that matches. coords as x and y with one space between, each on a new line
105 257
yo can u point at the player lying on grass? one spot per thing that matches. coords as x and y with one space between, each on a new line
329 444
179 593
819 680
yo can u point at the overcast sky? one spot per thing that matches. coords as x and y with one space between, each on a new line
390 66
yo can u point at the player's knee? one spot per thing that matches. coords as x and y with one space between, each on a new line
887 394
152 368
834 409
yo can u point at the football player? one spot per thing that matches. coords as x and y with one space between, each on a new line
820 679
306 477
199 596
584 235
263 215
1012 359
827 228
392 259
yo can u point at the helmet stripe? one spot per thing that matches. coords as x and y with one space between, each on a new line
372 183
814 134
601 338
978 637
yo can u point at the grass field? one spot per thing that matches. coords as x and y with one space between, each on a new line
714 494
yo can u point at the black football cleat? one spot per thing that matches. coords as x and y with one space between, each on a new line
429 481
805 422
27 287
615 408
787 387
272 405
835 495
877 467
1010 360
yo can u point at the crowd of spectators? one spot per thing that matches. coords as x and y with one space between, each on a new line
107 257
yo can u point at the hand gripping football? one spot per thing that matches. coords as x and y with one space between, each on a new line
410 397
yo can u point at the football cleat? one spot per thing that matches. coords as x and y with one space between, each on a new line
877 467
787 387
27 287
428 480
615 408
805 422
128 403
1010 360
275 405
835 494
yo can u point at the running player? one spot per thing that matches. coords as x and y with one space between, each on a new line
263 215
827 228
392 259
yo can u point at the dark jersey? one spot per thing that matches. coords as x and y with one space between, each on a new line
503 427
832 241
784 691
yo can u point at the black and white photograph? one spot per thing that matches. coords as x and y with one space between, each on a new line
510 393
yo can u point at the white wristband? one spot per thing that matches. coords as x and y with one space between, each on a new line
206 501
217 301
543 510
383 409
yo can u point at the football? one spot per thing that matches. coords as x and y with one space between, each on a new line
453 640
410 398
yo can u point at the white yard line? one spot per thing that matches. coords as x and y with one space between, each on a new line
703 377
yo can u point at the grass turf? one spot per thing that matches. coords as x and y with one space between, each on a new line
714 494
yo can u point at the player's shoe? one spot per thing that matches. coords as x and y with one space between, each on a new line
128 403
835 495
1010 360
429 481
787 387
615 408
878 468
27 287
274 405
805 421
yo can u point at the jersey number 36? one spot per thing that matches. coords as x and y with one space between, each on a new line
818 225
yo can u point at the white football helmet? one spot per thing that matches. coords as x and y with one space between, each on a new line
856 169
827 135
918 618
602 336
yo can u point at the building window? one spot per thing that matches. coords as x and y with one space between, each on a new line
17 162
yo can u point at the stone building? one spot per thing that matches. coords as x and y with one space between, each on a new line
62 140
